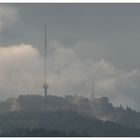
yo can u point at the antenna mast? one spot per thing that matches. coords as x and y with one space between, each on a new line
92 91
45 66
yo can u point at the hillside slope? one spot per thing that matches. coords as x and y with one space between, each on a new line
67 121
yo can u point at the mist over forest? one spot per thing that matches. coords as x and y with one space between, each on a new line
36 115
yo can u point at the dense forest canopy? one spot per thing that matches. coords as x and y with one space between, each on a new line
99 108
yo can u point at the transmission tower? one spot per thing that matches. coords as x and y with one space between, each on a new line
45 86
92 96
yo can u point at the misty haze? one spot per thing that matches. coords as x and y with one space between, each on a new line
69 70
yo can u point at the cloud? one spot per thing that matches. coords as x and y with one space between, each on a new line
8 15
73 73
20 68
21 72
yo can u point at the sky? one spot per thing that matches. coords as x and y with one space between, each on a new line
86 43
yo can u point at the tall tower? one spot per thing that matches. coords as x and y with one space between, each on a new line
92 96
45 66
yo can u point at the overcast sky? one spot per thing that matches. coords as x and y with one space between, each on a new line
86 42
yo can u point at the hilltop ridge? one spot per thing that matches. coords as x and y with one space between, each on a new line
99 108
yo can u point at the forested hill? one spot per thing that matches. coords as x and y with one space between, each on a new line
63 121
99 108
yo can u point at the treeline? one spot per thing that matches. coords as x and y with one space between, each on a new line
22 132
99 108
62 121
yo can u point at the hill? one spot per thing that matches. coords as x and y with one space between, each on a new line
63 121
99 108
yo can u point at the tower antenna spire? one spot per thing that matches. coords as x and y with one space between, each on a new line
45 66
92 90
